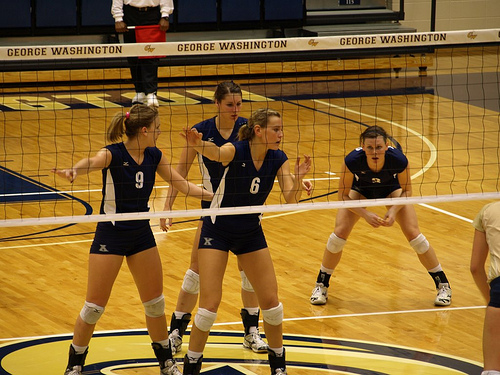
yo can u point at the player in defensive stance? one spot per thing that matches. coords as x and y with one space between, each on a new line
251 166
220 129
128 172
372 171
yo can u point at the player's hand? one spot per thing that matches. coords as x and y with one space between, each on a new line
301 169
373 219
165 224
307 185
69 174
192 137
388 219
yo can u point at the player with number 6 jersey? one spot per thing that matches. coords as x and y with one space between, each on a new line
251 165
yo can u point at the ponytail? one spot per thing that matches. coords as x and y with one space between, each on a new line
131 122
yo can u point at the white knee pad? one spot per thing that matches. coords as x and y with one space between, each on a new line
155 308
335 244
191 283
204 319
245 283
91 312
420 244
273 316
490 372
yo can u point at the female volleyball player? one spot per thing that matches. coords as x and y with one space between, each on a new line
487 241
220 129
128 171
372 171
251 165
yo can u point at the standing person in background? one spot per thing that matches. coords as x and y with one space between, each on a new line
487 241
373 171
251 166
221 129
128 173
142 13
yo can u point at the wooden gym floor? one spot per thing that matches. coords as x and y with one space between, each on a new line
380 317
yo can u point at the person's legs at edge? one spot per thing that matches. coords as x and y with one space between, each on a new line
344 223
102 272
212 268
407 220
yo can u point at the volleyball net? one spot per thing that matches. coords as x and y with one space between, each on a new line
436 94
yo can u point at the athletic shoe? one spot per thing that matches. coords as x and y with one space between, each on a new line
75 370
152 100
175 342
75 362
319 294
192 368
443 297
277 364
139 98
254 341
170 368
177 329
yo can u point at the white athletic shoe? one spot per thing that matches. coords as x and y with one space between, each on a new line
170 368
443 297
319 294
175 342
152 100
76 370
254 341
139 98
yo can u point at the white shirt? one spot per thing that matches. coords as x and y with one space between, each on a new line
488 221
166 7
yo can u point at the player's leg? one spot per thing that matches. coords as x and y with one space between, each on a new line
187 298
407 220
258 267
491 336
146 269
250 316
102 272
344 223
212 266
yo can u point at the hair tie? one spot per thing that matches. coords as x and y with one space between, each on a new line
127 115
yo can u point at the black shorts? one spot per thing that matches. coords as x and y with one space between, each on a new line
238 242
109 240
495 293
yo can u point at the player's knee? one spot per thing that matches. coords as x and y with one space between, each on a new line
91 312
155 308
204 319
274 315
420 244
490 372
245 283
191 282
335 244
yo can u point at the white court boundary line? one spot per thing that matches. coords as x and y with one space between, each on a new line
339 316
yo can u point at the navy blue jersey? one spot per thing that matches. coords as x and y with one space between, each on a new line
211 171
243 185
126 185
376 184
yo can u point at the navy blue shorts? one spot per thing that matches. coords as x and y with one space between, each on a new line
109 240
495 293
238 242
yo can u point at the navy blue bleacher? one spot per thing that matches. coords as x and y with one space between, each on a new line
196 11
15 14
56 13
96 13
278 10
240 10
